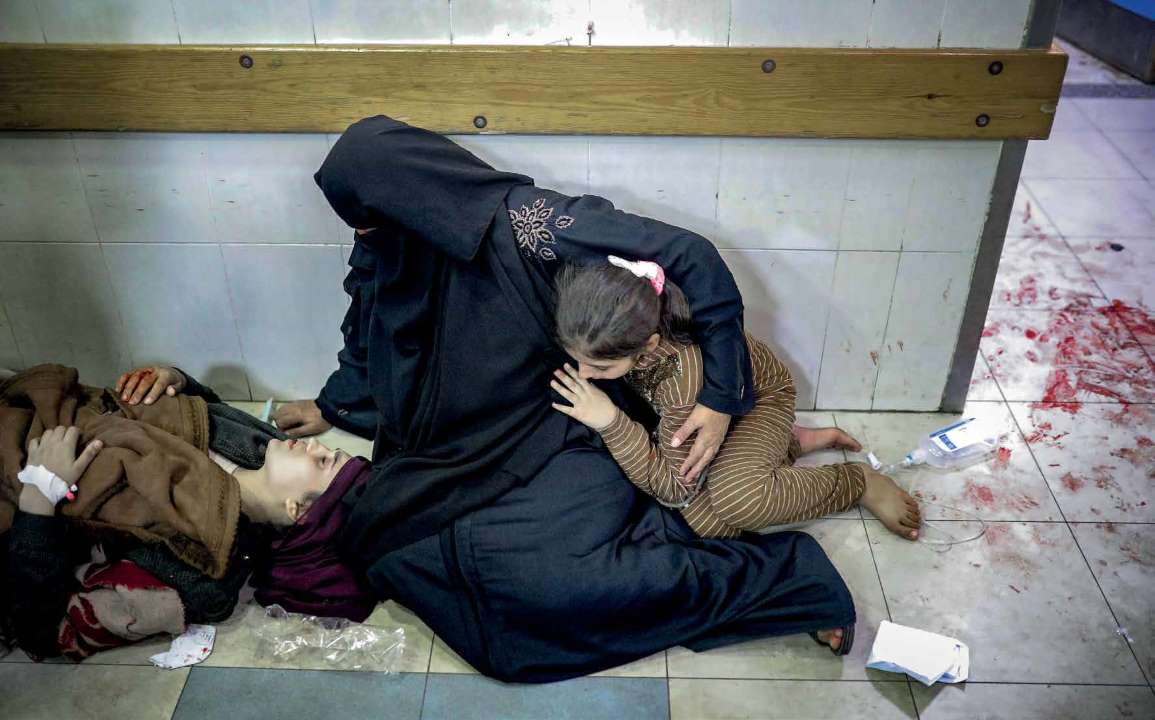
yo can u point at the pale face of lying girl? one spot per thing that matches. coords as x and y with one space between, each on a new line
295 474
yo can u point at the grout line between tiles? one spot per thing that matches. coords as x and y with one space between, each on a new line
1079 547
180 695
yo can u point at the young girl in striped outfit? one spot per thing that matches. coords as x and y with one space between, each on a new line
623 319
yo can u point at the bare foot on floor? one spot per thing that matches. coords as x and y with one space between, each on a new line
833 638
812 439
897 510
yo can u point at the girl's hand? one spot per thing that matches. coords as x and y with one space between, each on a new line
149 383
590 406
55 451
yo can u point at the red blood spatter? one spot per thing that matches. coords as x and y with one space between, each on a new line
1140 455
1032 356
1072 483
1022 502
1026 294
1002 457
1031 334
979 494
1090 358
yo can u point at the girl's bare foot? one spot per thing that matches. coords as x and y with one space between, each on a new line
897 510
811 439
833 638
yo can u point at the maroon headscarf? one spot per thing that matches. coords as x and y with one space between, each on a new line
303 573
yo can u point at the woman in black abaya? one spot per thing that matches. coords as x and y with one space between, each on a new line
503 524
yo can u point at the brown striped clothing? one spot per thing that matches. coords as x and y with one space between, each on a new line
751 484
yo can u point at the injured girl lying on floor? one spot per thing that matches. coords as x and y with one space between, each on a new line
186 498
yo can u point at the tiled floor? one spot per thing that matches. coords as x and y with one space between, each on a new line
1057 600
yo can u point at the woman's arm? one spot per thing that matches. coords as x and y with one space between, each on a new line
345 400
40 579
588 229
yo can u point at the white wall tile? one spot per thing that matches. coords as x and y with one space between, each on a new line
108 21
9 352
19 22
878 192
929 294
787 298
559 163
950 196
174 301
253 21
669 179
381 21
60 303
859 307
520 22
781 193
786 23
41 195
659 22
147 187
261 189
906 23
985 23
289 305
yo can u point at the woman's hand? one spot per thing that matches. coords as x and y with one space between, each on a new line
590 406
149 383
300 418
711 427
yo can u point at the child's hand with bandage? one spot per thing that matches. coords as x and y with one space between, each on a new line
53 468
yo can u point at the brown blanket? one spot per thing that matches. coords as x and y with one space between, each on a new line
153 479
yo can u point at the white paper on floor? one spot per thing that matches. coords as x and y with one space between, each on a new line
189 648
925 656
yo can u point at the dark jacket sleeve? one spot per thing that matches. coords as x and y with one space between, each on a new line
588 228
345 401
193 387
40 579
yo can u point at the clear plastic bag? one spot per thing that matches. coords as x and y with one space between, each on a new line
342 644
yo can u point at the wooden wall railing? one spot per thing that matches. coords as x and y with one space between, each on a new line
784 92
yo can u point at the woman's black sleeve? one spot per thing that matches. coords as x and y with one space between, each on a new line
40 580
588 228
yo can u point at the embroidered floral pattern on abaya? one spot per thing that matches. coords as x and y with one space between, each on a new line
532 225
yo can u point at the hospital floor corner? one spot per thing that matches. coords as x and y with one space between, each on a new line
1056 600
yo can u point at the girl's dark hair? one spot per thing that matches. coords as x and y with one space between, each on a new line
606 312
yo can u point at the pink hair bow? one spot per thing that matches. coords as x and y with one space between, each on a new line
643 269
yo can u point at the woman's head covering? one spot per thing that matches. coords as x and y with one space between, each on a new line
303 572
384 173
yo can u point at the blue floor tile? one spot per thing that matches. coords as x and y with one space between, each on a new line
238 693
472 697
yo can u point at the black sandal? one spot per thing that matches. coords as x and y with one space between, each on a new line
847 641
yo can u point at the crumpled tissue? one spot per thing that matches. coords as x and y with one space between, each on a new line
925 656
189 648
